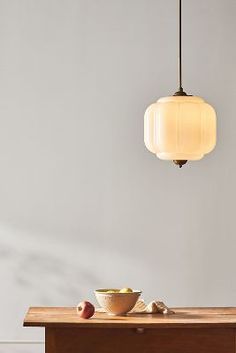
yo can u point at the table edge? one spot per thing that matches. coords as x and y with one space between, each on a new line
90 324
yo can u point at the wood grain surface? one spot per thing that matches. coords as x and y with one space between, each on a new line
183 317
181 340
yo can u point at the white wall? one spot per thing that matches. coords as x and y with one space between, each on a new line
83 204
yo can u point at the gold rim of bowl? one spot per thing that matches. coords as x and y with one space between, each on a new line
106 291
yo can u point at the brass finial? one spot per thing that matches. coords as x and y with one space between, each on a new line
180 162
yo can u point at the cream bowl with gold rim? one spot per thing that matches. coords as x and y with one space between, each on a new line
116 303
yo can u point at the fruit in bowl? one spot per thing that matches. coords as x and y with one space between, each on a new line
126 290
117 301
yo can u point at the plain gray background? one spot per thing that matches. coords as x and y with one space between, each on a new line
83 204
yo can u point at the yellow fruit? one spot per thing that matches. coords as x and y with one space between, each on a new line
126 290
111 291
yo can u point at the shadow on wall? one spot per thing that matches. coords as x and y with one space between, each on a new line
56 272
48 271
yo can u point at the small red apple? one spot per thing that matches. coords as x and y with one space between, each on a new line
85 310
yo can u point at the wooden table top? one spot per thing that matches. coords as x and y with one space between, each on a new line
183 317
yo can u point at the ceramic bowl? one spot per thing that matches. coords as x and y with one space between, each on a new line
116 303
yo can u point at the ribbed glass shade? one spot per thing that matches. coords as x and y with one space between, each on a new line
180 128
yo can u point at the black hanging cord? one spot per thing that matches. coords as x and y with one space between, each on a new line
180 91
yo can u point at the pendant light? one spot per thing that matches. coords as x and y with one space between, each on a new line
181 127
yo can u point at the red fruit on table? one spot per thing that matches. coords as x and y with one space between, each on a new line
85 310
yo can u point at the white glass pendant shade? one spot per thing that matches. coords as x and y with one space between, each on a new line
180 128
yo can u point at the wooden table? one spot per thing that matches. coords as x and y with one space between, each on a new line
190 330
